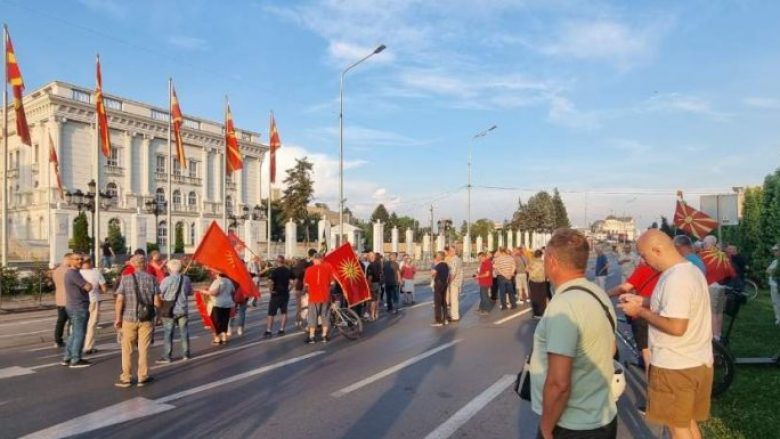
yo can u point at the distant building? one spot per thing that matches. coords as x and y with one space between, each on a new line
613 228
321 211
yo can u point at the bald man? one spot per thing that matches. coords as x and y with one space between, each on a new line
680 381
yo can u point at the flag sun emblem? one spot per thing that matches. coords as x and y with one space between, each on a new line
350 270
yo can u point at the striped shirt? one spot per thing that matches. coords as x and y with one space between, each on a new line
504 265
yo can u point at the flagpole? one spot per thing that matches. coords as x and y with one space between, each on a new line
268 255
224 172
4 251
48 197
96 201
171 229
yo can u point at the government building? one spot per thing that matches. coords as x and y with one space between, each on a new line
135 176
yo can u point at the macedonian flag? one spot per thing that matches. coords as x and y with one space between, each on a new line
692 221
718 265
100 108
14 75
232 152
176 122
349 274
215 251
275 143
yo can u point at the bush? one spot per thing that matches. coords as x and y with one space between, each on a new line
81 242
151 246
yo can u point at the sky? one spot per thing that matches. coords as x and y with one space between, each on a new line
616 104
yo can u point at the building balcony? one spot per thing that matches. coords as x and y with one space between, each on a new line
114 171
230 185
161 176
13 173
186 179
185 208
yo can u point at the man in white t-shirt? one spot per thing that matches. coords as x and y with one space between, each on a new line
680 333
94 277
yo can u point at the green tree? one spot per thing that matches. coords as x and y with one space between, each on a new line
81 241
750 229
115 238
381 214
482 227
277 219
178 244
560 215
769 223
298 192
537 215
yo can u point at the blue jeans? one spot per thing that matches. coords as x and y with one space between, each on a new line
504 288
484 299
240 317
168 325
393 296
78 320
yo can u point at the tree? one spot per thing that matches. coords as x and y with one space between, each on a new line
538 214
178 246
299 190
81 241
483 227
381 214
561 216
115 238
277 219
750 229
769 223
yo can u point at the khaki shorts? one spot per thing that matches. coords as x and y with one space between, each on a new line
717 298
677 396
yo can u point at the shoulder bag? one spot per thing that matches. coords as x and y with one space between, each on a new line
144 311
166 309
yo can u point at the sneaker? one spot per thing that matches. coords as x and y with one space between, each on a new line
80 364
536 317
267 334
309 340
186 358
503 307
437 324
454 320
325 339
239 331
229 331
90 351
280 332
163 361
123 384
59 345
145 382
65 362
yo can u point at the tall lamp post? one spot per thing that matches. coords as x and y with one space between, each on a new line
157 207
468 195
379 48
85 202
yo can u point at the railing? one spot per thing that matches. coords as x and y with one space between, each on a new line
115 171
230 185
186 179
162 176
13 173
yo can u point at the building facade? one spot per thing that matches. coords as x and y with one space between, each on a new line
40 222
612 228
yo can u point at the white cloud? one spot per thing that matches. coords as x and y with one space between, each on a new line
763 103
191 44
680 103
358 137
564 112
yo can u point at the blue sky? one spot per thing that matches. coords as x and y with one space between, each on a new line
618 104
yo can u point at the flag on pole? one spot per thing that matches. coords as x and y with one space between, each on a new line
14 75
53 159
176 121
236 242
718 265
692 221
232 152
215 251
275 143
100 107
349 274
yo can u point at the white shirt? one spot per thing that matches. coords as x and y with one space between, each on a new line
682 293
96 278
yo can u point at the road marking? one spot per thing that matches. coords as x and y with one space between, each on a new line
16 334
508 318
451 425
393 369
416 305
139 407
15 371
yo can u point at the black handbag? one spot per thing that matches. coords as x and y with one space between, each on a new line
166 309
144 312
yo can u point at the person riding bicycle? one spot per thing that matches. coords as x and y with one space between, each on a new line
317 281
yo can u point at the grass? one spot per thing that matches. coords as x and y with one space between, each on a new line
750 408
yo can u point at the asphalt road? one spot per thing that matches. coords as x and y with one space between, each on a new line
402 379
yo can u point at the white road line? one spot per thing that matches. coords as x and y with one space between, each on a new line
391 370
90 357
15 371
417 305
141 407
508 318
17 334
451 425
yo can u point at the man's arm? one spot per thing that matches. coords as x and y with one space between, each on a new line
119 308
635 306
556 391
623 288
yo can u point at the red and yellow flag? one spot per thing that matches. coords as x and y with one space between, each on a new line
100 107
216 251
718 265
232 152
53 159
692 221
275 143
176 122
349 274
14 75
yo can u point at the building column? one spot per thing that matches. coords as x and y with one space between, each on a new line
394 239
379 237
479 244
127 166
290 238
467 248
510 238
409 239
146 167
204 179
490 242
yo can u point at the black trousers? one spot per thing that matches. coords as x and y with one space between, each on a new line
59 328
538 293
608 431
440 301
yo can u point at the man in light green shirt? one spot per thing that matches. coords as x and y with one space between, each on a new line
571 365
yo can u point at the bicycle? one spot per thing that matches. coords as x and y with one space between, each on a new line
749 289
345 320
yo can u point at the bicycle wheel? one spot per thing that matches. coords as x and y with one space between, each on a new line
723 364
348 323
750 290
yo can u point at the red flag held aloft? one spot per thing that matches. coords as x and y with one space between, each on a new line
718 265
14 75
349 274
236 242
232 152
215 251
275 143
100 108
53 159
176 122
692 221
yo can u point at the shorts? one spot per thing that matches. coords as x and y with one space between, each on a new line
278 303
677 396
376 287
408 286
319 310
640 331
717 298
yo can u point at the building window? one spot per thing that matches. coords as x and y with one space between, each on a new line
159 115
192 199
17 160
159 196
193 169
229 204
113 104
36 150
40 227
177 198
246 136
112 190
162 234
176 168
161 164
192 234
81 96
194 124
113 158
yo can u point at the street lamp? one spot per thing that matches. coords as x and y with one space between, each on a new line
468 196
85 202
379 48
235 220
157 207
